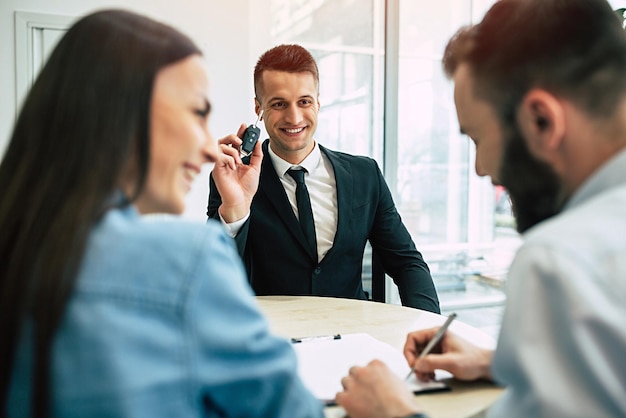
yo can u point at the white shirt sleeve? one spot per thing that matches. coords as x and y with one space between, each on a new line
233 228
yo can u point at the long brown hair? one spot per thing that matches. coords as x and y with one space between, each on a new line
85 117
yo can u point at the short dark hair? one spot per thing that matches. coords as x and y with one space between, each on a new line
290 58
572 48
84 122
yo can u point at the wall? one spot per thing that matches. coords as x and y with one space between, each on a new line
617 4
219 28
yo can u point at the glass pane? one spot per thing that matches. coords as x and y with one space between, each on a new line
460 222
433 158
326 22
433 162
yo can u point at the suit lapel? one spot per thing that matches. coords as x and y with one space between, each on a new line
344 184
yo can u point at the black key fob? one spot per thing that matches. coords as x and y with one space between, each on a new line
250 138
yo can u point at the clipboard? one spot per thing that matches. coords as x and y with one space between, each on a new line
324 360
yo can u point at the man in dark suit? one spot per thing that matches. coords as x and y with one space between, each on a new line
260 202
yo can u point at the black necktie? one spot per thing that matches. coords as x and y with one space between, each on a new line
304 209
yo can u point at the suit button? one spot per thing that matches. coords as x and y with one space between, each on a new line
317 270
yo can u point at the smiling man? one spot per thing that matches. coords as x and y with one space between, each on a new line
292 248
540 88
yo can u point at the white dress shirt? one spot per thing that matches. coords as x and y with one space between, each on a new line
563 341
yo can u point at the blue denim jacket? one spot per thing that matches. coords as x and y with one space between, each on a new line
163 324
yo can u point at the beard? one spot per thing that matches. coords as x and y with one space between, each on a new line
533 186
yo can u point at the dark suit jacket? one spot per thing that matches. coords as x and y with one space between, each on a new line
274 249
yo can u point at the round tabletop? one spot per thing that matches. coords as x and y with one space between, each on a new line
296 316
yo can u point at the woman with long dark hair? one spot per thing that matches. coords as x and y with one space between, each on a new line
104 311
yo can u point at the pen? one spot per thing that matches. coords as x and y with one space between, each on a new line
433 341
316 338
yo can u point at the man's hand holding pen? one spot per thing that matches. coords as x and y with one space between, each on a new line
432 343
453 354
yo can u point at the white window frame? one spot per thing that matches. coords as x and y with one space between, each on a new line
32 47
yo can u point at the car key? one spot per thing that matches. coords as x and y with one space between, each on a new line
249 140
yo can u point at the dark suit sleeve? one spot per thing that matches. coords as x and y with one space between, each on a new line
215 200
397 252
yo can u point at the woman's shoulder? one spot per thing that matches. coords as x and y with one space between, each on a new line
127 250
157 229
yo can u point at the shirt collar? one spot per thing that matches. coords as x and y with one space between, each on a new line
609 175
310 163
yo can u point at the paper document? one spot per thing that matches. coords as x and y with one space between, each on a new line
322 363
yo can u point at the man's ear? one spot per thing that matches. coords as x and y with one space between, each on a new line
257 108
541 119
